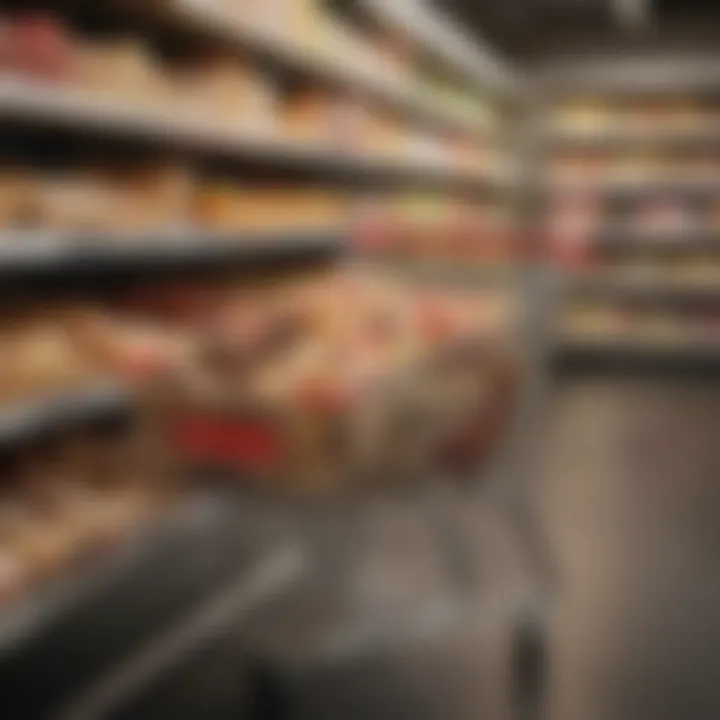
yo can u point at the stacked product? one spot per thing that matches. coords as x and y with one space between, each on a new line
219 94
115 201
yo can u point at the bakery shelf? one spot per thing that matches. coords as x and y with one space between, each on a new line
67 107
52 253
20 422
469 55
397 93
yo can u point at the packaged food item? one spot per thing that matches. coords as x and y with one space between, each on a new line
385 136
122 68
19 199
225 92
306 116
217 207
153 198
79 201
38 45
583 117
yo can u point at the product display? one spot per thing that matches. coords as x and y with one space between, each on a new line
223 94
162 199
163 134
52 352
669 118
638 326
431 229
636 220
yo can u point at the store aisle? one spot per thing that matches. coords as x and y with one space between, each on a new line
630 497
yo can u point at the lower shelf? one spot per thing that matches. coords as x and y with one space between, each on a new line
630 355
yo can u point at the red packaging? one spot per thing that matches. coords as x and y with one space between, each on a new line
40 45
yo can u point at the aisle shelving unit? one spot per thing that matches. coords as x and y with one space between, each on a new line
659 263
436 246
65 107
56 107
393 92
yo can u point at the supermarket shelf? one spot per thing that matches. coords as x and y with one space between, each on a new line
25 421
394 92
667 242
639 188
470 55
629 354
612 286
635 139
74 109
22 253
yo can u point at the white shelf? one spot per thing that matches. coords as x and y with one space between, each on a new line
63 106
470 54
395 92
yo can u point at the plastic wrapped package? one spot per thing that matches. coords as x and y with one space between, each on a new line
122 68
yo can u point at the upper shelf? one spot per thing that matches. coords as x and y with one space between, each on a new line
635 139
470 55
392 91
66 107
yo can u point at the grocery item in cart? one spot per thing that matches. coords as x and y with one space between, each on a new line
295 393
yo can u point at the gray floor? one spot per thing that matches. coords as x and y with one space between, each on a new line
630 499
